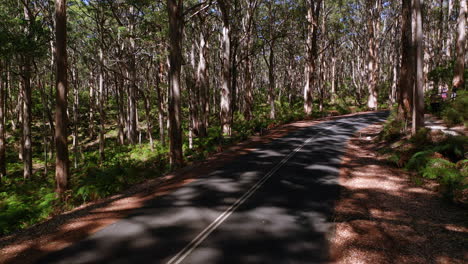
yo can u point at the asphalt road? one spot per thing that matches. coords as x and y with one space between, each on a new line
272 205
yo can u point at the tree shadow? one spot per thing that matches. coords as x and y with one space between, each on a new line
287 220
382 217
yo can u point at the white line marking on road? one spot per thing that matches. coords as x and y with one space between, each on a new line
177 259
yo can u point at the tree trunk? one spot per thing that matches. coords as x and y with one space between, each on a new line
313 13
3 85
418 94
176 18
373 66
27 115
406 80
92 101
248 43
162 138
271 81
458 82
225 100
61 119
101 107
132 105
202 86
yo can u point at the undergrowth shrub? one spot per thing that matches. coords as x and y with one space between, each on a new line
444 162
456 112
421 138
392 128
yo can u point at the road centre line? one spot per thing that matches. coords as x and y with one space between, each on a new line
181 255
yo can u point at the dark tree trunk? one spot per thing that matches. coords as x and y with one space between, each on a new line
406 81
61 119
3 85
175 13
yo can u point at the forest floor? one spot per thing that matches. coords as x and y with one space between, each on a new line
381 216
384 217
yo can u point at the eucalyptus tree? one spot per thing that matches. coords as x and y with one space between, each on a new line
458 77
313 12
61 118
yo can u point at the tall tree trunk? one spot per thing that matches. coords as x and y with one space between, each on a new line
76 102
248 43
406 80
459 71
313 13
101 107
121 115
3 86
373 46
162 137
92 101
271 81
132 105
418 94
202 86
61 119
448 48
333 79
176 18
27 116
225 100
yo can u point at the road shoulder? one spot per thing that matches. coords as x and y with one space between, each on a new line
383 217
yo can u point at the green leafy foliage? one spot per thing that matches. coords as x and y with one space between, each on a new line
443 162
456 112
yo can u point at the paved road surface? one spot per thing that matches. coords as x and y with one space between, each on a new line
272 205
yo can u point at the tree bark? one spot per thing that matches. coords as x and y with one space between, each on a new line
202 86
271 81
27 119
176 18
406 80
418 92
313 13
132 105
101 108
61 119
162 137
225 100
3 85
459 71
373 46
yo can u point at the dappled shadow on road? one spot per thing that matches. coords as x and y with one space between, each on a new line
285 221
382 217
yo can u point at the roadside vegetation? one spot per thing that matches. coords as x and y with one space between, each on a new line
432 155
